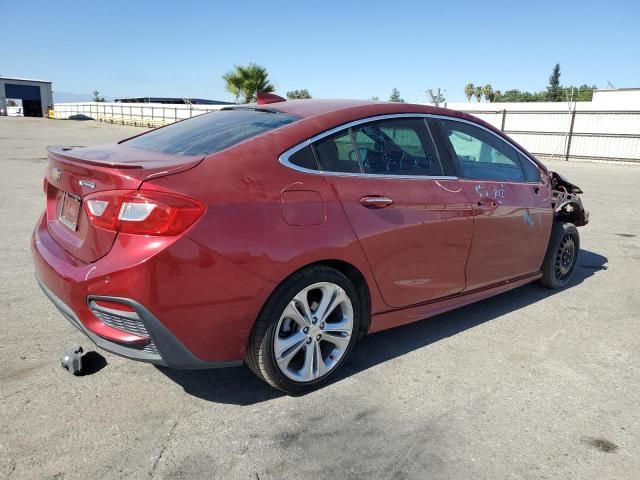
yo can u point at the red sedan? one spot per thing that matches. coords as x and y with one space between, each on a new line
277 234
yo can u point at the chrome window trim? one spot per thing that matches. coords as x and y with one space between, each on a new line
284 157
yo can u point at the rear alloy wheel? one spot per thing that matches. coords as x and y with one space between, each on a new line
305 331
313 332
562 256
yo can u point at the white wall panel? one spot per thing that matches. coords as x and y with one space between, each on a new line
540 131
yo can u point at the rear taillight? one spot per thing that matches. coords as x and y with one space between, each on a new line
142 212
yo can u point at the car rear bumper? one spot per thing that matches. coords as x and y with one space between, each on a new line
203 305
166 350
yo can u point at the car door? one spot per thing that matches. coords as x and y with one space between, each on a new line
512 217
412 217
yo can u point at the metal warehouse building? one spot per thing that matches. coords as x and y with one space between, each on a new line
36 95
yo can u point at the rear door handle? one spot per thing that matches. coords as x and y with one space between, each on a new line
376 201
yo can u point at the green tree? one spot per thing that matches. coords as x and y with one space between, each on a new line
395 96
244 82
488 93
516 95
97 97
375 99
477 91
583 93
469 91
554 93
298 94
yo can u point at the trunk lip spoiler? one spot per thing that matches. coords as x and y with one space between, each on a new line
59 153
157 165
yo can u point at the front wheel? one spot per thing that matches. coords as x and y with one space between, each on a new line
562 256
305 331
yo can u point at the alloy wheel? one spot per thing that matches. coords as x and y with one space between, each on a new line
313 332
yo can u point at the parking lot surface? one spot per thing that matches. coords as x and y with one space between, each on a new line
530 384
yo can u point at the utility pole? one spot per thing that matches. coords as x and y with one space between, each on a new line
570 100
572 116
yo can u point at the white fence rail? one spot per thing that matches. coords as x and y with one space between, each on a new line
580 135
139 114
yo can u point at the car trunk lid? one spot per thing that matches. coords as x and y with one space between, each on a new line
75 172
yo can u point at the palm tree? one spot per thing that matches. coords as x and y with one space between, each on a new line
469 90
487 91
244 82
477 91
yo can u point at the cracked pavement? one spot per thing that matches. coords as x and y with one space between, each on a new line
531 384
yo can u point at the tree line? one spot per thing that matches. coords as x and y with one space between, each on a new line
554 92
245 81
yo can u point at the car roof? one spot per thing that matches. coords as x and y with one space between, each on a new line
333 112
314 107
323 114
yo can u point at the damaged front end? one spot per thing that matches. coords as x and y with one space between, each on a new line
566 203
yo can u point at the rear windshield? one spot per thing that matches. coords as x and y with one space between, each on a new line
211 132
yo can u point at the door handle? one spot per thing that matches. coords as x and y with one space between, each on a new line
487 203
375 201
536 190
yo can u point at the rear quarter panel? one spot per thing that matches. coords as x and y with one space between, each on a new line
247 223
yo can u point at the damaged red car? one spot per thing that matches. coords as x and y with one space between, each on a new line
277 234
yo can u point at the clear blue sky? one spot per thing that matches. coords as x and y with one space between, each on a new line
336 49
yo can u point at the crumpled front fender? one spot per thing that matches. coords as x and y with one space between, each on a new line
567 205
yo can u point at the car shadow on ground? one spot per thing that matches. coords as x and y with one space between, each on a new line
241 387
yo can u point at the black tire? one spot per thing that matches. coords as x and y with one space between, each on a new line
562 256
261 357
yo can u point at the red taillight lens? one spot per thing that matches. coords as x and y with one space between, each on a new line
142 212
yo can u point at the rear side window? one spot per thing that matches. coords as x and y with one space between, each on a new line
304 158
396 147
336 153
480 154
211 132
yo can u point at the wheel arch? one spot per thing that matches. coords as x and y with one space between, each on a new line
358 280
362 287
573 212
